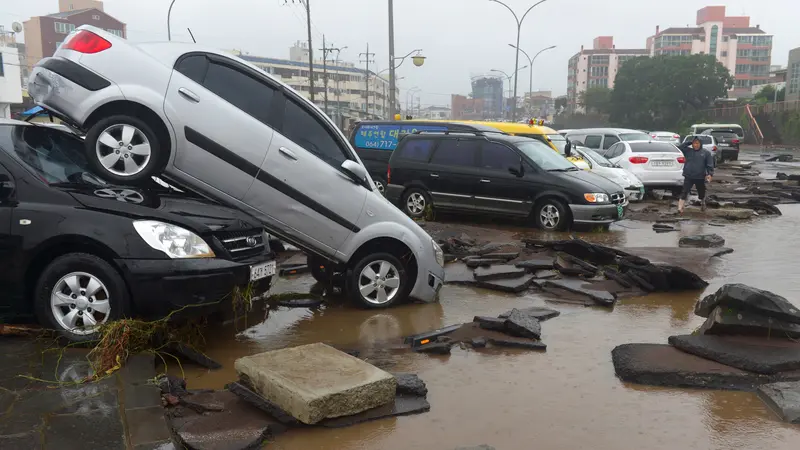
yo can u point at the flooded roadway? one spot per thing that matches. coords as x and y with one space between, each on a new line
566 398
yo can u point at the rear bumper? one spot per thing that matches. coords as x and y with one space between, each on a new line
596 214
728 152
666 179
70 91
194 287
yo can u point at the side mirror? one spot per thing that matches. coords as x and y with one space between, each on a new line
356 171
568 149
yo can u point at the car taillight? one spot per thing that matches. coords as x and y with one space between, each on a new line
676 136
86 42
681 160
715 148
637 159
388 175
735 141
653 136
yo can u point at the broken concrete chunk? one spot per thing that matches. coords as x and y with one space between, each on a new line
767 356
315 382
246 394
490 323
499 272
663 227
532 265
478 342
539 313
581 287
545 274
564 264
746 298
402 405
730 321
438 348
512 285
523 343
783 398
508 256
473 263
522 325
410 384
702 241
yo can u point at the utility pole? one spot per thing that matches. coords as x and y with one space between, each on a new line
307 5
392 79
384 99
367 56
325 51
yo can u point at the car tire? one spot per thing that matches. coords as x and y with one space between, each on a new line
551 215
141 154
415 202
66 280
388 288
380 185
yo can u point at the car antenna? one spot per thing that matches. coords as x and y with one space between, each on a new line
190 34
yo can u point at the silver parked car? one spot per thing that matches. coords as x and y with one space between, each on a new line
603 138
222 127
666 136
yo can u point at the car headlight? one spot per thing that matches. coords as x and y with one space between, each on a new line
438 253
596 197
173 240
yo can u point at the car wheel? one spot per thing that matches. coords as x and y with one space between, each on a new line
379 280
78 292
124 149
415 201
551 215
380 185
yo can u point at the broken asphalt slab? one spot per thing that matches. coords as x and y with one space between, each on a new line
521 325
402 405
783 398
511 285
539 313
746 298
664 365
498 272
733 321
535 264
410 384
766 356
702 241
471 333
315 382
581 287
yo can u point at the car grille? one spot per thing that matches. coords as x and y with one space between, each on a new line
242 244
617 198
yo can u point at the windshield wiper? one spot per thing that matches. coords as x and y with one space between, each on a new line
564 169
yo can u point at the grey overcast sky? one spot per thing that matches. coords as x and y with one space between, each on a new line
460 38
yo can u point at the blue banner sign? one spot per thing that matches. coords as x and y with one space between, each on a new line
385 137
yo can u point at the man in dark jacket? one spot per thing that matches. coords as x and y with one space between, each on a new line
697 171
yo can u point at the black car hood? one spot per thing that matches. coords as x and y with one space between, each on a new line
197 213
594 181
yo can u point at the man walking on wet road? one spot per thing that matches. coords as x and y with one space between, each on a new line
697 171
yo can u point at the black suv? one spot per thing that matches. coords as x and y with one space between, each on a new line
76 251
727 142
498 174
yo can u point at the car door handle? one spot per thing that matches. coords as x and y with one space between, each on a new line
189 95
484 180
287 153
434 175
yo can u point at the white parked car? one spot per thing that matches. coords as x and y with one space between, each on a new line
630 183
666 136
659 165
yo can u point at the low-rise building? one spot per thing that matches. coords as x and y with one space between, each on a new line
465 108
10 80
793 76
435 113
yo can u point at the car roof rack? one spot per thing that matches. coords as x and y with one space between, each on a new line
472 132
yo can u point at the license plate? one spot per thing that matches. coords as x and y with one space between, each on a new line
262 270
620 211
661 163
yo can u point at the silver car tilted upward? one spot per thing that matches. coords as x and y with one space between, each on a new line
222 127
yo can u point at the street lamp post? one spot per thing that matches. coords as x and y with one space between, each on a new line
169 14
530 64
509 83
516 54
418 61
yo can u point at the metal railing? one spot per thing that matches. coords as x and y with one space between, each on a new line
767 108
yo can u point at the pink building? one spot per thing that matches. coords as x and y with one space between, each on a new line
745 50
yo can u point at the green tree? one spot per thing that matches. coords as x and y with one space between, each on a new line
595 99
561 102
767 95
662 92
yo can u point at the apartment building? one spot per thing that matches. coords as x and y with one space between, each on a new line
744 49
596 67
10 80
349 95
793 76
44 34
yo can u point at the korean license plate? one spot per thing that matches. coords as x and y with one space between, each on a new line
262 270
662 163
620 211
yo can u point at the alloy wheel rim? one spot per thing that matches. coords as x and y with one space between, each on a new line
80 302
380 186
415 203
550 216
379 282
123 150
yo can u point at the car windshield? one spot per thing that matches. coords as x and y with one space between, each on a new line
55 156
559 141
597 157
634 136
544 156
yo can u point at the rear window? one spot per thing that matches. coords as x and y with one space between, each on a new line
664 137
386 136
653 147
416 150
724 135
634 137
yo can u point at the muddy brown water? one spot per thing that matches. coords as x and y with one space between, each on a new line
566 398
